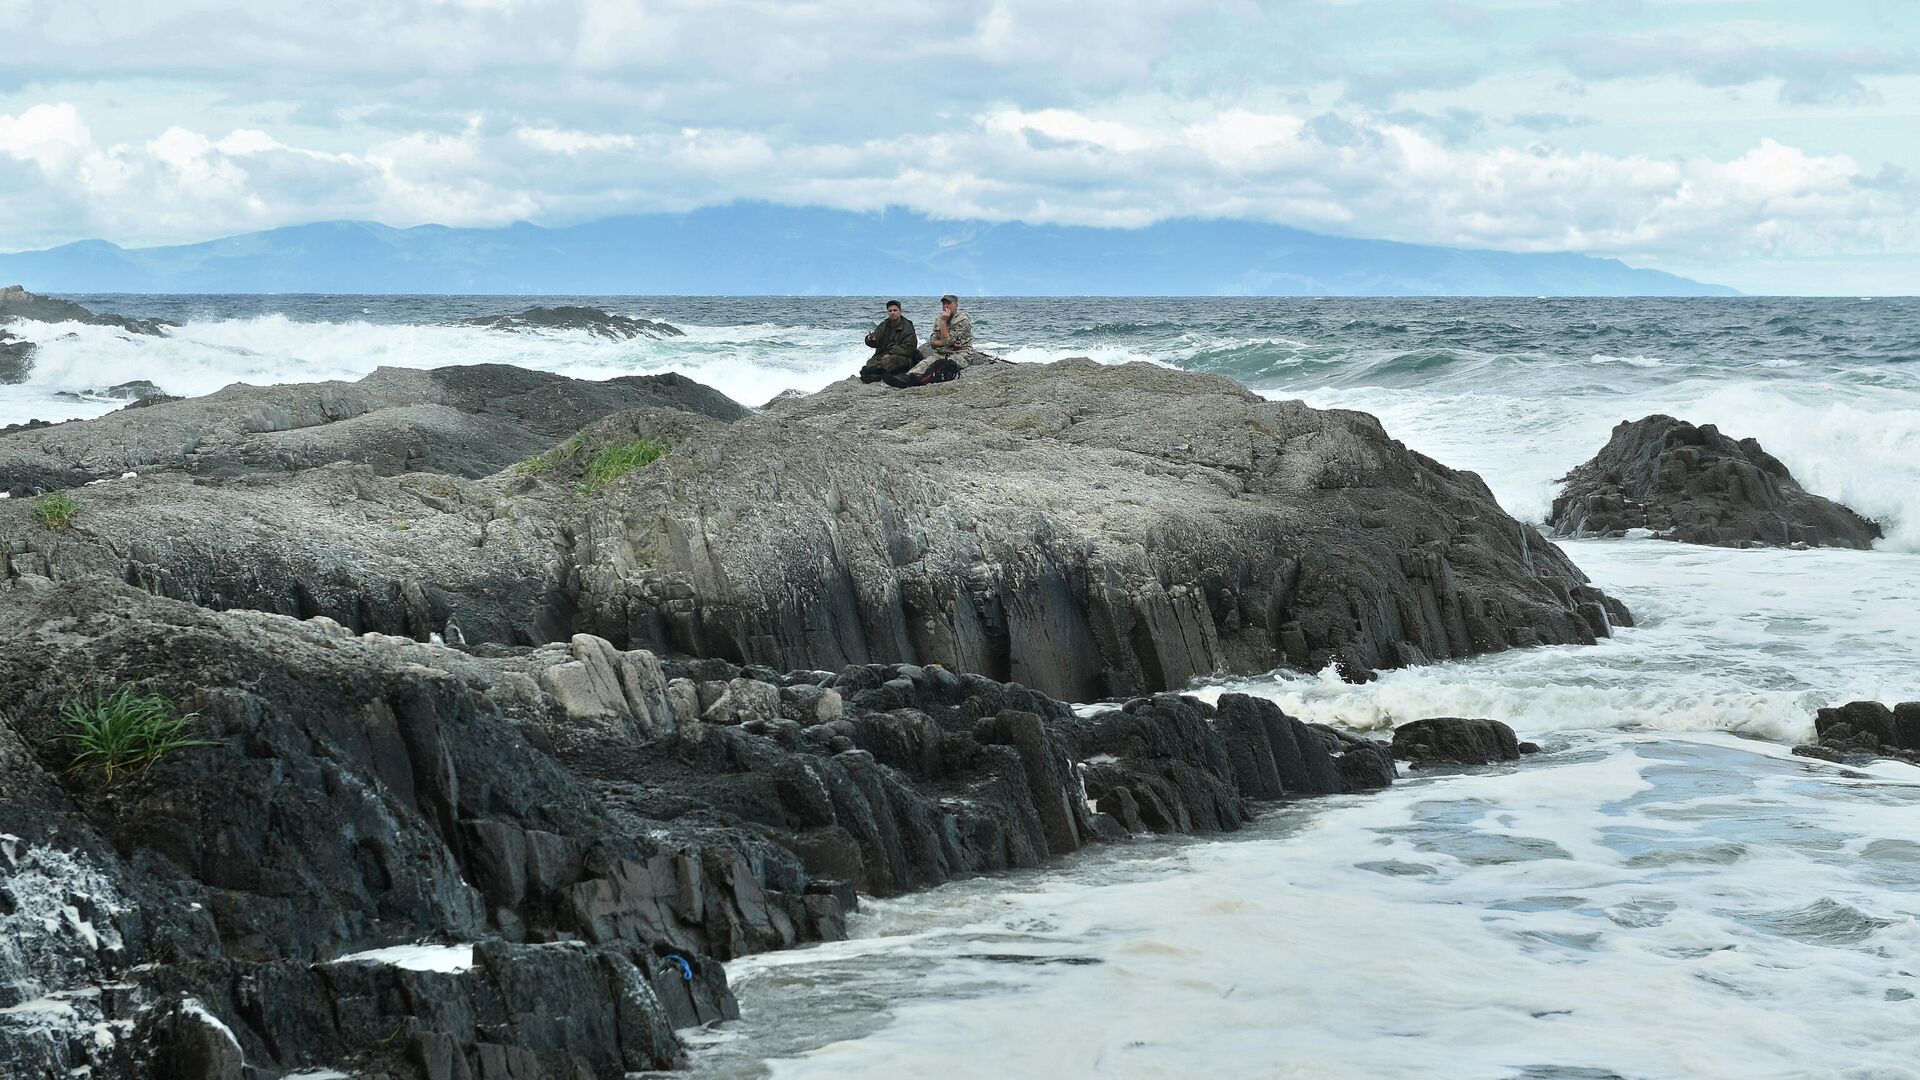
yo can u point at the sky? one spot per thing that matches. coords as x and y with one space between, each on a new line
1772 146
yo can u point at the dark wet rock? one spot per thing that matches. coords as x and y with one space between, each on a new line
603 826
1455 740
1698 486
16 359
17 303
137 390
461 421
592 320
1861 731
1091 531
28 425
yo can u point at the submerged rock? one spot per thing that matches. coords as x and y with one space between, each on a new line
1860 731
585 831
1698 486
1455 740
17 303
592 320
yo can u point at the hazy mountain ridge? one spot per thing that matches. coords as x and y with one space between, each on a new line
757 248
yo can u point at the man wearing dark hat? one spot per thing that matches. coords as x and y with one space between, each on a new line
895 346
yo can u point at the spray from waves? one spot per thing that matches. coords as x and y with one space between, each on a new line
1750 642
1857 445
750 363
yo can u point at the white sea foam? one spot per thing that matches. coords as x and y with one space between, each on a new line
748 363
1647 907
442 958
1748 641
1860 446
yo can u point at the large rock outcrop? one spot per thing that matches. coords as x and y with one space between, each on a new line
460 421
566 317
1091 531
1698 486
844 596
582 831
17 303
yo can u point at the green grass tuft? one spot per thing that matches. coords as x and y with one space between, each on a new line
620 459
551 459
123 731
55 511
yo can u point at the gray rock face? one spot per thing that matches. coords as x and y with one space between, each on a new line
1697 486
17 303
1039 524
1455 740
1860 731
597 835
460 421
1091 531
592 320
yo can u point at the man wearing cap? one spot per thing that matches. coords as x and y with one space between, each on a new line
895 346
952 333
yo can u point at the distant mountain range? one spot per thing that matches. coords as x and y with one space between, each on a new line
763 249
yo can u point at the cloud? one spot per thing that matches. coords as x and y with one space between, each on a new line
1807 76
1549 121
1402 119
1349 171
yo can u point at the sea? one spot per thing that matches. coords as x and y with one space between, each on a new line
1663 892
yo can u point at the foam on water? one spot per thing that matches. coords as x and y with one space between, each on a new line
749 363
1628 905
1747 641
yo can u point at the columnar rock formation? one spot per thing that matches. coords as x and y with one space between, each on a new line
1697 486
586 734
1090 531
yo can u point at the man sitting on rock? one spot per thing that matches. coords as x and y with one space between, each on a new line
947 351
952 333
895 346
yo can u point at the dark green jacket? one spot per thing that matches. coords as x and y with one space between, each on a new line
894 344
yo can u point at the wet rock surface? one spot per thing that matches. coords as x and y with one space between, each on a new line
1455 740
1696 485
592 320
17 303
1862 731
16 358
599 825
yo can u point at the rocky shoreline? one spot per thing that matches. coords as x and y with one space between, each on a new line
499 750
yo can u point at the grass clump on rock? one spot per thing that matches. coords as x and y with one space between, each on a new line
122 731
618 460
550 460
55 511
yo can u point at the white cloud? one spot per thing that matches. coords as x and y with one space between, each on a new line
1449 123
1353 172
